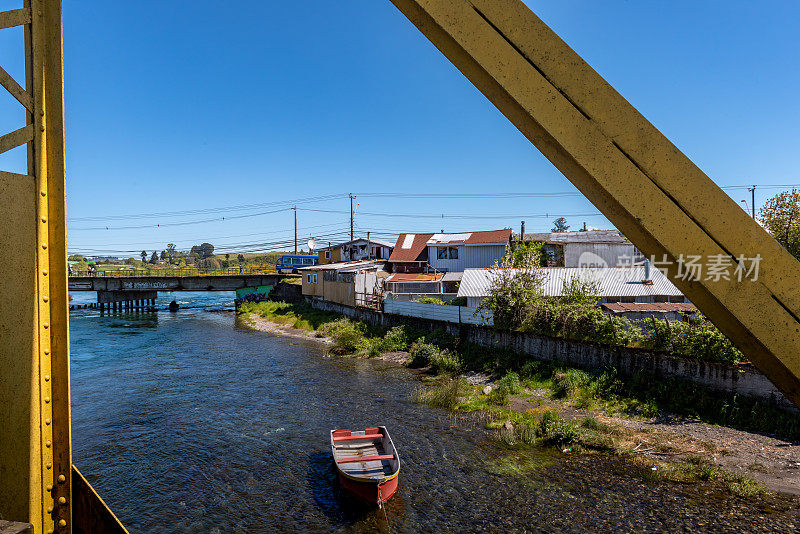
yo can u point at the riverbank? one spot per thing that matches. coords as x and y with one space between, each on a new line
665 429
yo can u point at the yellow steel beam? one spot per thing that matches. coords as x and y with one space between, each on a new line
633 174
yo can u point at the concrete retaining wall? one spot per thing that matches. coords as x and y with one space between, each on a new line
743 380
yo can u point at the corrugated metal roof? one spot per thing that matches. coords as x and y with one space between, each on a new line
359 240
344 266
452 277
612 281
482 237
650 307
410 247
588 236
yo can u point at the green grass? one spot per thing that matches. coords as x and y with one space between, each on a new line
301 316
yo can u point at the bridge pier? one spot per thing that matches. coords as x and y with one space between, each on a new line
127 300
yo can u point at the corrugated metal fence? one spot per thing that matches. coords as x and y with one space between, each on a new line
450 314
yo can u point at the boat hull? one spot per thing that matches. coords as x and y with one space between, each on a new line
369 492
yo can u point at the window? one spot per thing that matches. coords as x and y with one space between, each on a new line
311 278
441 253
327 254
453 253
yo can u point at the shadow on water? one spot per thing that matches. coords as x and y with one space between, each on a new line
328 495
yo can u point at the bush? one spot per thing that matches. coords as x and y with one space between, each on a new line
348 337
430 300
396 339
445 361
445 395
569 383
421 354
506 386
556 430
459 301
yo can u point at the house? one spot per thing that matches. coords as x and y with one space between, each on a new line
355 250
468 250
615 284
586 248
353 283
448 252
410 254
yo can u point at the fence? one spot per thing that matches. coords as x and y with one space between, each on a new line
183 271
437 312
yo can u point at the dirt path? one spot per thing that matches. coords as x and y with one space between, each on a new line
263 325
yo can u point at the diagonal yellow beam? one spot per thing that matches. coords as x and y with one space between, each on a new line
633 174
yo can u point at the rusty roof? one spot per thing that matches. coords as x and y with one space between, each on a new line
650 307
410 247
415 277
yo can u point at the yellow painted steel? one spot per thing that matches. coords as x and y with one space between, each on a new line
633 174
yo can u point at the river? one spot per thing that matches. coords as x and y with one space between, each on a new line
186 422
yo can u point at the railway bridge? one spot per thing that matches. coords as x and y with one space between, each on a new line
132 291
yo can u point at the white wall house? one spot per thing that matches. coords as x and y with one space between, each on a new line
458 252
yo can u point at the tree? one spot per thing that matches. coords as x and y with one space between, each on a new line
240 257
163 255
171 252
76 257
525 254
130 261
515 285
560 225
144 256
780 215
154 258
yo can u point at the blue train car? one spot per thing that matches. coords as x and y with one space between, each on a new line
292 262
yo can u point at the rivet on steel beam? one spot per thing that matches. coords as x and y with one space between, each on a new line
41 113
48 444
41 128
62 500
47 400
61 479
44 272
45 298
39 12
62 523
43 192
47 421
49 487
44 245
46 351
47 378
46 325
44 219
50 511
48 465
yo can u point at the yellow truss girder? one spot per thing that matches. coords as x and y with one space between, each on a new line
633 174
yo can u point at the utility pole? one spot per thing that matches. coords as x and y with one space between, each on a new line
295 229
369 248
752 200
351 216
522 232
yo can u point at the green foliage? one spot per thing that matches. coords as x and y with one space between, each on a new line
577 291
560 225
445 361
349 337
445 395
522 255
459 301
430 300
514 285
556 430
421 354
76 257
780 215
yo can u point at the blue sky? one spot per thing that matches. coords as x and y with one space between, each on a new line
193 106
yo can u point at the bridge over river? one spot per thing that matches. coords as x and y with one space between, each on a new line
132 291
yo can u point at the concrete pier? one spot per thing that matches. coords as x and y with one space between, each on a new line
127 300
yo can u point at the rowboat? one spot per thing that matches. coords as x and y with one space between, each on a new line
366 462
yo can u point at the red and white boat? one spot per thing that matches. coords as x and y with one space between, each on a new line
367 463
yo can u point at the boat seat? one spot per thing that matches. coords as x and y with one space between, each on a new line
356 459
354 438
